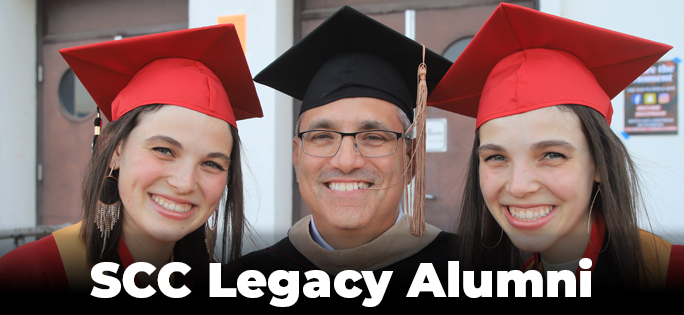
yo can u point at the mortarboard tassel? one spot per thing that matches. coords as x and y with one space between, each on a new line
418 221
98 125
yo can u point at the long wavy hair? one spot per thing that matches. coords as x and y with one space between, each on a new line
621 259
191 249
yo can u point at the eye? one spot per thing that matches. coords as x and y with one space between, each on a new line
320 135
373 139
495 158
320 138
374 136
163 151
213 164
554 155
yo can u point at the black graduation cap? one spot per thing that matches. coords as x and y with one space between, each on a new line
353 55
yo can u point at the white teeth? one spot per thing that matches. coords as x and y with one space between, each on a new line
348 186
171 206
530 214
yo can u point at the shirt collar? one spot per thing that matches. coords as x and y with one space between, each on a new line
319 239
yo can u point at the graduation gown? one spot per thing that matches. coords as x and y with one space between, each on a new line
395 250
664 261
55 263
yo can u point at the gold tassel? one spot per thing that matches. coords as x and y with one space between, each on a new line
418 221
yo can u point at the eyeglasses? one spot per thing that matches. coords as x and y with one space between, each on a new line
370 143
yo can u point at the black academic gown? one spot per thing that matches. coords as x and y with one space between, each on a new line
285 255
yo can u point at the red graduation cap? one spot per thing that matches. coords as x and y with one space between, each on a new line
522 60
203 69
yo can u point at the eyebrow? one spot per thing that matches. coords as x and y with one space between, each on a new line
492 147
552 143
536 146
166 139
321 123
372 124
369 124
220 156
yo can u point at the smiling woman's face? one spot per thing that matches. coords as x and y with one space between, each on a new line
536 176
173 169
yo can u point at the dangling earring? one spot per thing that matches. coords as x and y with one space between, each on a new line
598 190
108 207
210 235
497 243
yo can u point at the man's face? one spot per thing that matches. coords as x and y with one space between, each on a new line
371 207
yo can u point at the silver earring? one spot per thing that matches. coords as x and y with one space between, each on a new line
497 243
210 235
598 190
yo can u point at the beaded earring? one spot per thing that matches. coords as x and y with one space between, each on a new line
108 207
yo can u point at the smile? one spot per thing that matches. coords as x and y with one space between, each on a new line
348 186
170 205
530 214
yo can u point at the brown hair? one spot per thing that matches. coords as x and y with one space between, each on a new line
191 249
621 259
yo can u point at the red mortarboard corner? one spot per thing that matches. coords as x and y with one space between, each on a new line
203 69
523 60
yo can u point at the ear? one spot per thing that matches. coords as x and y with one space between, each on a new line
115 161
411 163
597 175
295 156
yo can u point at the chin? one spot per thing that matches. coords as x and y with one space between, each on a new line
170 234
345 219
532 244
349 226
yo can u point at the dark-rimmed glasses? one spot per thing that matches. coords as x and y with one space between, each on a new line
370 143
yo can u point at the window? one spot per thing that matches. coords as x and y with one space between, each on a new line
74 98
456 48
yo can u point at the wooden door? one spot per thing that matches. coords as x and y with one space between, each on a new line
440 25
65 111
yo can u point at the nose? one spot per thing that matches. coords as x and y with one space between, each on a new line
183 179
348 156
522 181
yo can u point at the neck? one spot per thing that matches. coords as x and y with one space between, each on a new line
570 247
340 239
146 249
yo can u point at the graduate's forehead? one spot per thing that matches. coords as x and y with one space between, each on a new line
352 114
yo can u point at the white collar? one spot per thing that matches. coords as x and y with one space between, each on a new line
570 265
392 246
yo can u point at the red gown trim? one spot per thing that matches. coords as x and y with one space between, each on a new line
598 231
672 272
40 265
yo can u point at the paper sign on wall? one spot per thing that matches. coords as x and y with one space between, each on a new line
651 101
240 22
436 139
